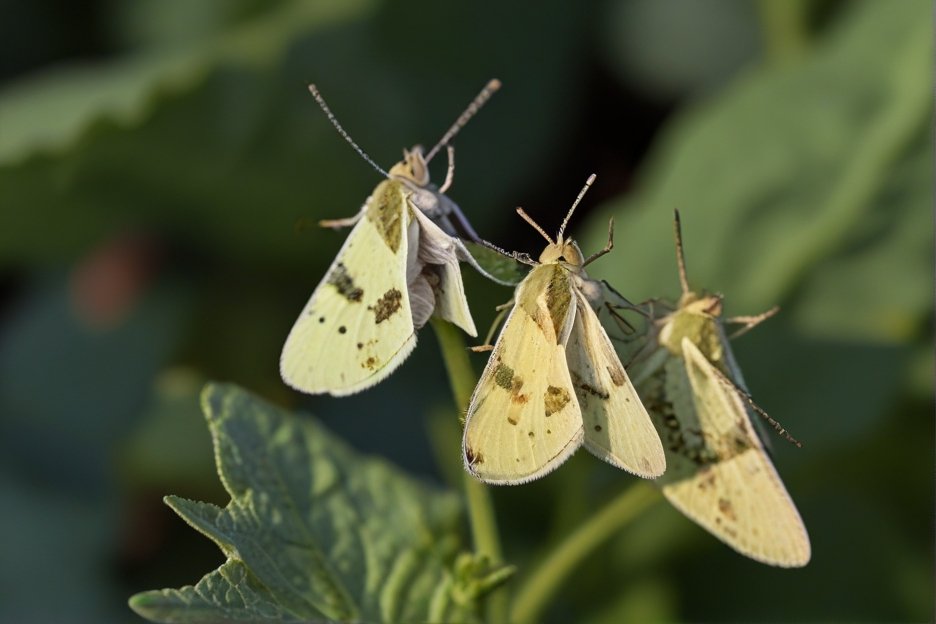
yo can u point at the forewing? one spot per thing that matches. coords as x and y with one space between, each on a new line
733 491
357 327
524 419
617 426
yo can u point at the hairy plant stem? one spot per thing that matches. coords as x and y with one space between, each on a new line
538 589
480 507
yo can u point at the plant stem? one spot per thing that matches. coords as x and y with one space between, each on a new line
539 588
480 507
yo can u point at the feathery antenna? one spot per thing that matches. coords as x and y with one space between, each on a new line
680 253
473 108
334 121
588 183
529 219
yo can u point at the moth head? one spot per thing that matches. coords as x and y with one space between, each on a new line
567 252
706 305
413 167
561 249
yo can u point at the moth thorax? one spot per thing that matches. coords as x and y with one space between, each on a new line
567 252
413 167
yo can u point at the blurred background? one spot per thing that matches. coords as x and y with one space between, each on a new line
162 167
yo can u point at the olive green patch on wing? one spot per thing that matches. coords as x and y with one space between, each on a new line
558 297
547 292
386 210
503 376
342 280
555 399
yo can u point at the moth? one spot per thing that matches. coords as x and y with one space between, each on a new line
398 266
553 381
718 471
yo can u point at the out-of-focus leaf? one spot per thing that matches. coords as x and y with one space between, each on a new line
60 541
52 111
314 531
171 420
873 289
647 600
220 144
716 38
70 391
778 173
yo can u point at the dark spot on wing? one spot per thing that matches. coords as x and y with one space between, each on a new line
555 399
342 330
387 305
726 509
598 428
512 419
473 457
617 375
590 389
360 345
342 280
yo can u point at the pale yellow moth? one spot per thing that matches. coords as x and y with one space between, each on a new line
554 381
396 269
718 471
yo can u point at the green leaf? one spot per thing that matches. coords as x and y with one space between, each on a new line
781 171
315 532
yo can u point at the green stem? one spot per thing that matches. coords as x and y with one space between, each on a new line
540 587
480 507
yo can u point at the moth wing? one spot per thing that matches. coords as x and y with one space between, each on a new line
357 327
524 420
739 497
444 251
617 426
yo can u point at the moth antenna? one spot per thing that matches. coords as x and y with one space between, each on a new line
588 183
489 89
529 219
519 257
758 409
680 253
334 121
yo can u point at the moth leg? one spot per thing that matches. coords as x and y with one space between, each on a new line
608 247
450 172
626 328
342 223
750 322
501 311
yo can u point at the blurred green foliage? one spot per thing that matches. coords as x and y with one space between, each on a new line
154 180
